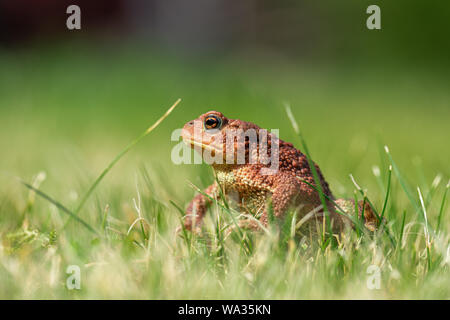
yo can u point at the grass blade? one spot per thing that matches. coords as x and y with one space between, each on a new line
388 189
366 199
313 169
426 229
120 155
402 181
402 230
186 236
61 207
441 210
355 195
427 235
105 215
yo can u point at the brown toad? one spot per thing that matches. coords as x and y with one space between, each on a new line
253 166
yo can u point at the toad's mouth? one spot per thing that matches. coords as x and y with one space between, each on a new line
204 146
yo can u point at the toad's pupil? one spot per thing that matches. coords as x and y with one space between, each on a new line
211 122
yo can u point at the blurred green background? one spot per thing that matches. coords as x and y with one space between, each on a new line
69 100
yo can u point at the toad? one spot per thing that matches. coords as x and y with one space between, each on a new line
257 170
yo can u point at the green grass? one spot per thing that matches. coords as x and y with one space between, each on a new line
66 113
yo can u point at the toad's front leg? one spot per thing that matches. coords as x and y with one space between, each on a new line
198 206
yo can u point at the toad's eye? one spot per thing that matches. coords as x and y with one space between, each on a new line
212 122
